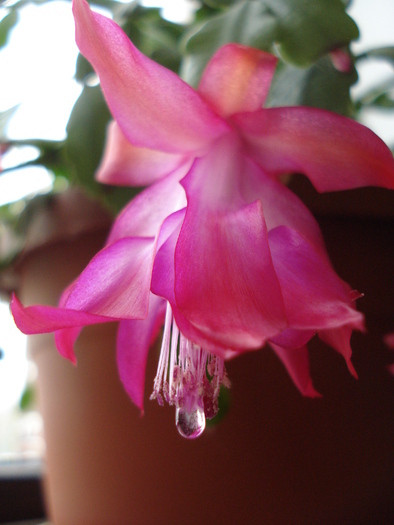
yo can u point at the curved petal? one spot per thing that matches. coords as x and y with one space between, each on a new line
237 78
297 366
65 340
133 343
126 165
315 298
225 283
281 206
40 319
163 272
163 284
142 95
144 215
116 282
339 339
292 339
336 153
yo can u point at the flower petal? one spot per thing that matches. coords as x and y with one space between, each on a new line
116 282
336 153
39 319
225 283
163 273
126 165
292 339
339 339
144 215
237 78
142 95
297 365
65 340
315 297
281 206
133 343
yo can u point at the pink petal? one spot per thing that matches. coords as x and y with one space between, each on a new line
153 106
163 273
291 339
297 365
280 205
225 283
144 215
315 298
336 153
339 339
65 340
133 343
116 282
237 78
163 284
126 165
39 319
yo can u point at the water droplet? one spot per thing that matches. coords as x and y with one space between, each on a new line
190 424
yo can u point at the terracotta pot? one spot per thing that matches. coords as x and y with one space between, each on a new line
275 458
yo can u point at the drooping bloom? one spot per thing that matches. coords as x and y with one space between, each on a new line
216 240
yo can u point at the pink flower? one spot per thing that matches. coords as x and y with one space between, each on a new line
216 240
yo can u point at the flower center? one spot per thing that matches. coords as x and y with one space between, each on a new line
188 377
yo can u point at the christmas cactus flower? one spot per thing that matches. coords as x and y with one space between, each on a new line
216 247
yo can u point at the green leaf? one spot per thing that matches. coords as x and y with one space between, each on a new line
301 30
320 85
6 24
86 130
307 29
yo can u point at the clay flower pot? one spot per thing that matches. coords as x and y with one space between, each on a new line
275 457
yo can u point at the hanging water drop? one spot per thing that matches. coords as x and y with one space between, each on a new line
190 425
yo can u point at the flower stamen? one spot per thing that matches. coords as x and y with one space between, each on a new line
188 377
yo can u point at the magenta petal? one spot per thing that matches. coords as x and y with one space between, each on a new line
297 365
237 78
315 298
116 282
144 215
65 340
281 206
336 153
225 283
163 273
291 339
126 165
339 339
142 95
133 343
40 319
